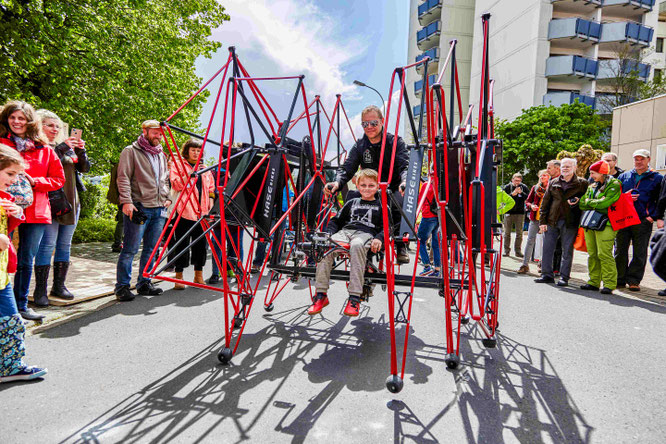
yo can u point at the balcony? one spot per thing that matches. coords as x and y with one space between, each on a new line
630 32
627 9
428 36
429 10
558 66
558 98
611 69
418 85
577 7
573 33
434 59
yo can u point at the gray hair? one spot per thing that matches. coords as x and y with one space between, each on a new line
613 156
43 115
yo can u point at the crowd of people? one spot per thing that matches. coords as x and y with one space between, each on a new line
40 182
562 207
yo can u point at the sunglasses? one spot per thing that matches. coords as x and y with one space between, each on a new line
372 123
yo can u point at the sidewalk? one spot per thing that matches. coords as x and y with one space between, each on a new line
91 278
93 274
650 285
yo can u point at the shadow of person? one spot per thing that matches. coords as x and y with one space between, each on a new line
357 360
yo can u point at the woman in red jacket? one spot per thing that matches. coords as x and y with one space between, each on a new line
19 129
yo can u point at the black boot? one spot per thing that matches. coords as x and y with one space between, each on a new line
41 276
59 275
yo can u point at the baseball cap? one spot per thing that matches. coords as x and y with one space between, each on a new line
643 153
150 124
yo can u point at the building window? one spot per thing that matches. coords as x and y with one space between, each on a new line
658 75
661 157
660 45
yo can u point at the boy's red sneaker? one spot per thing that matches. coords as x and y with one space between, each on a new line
320 301
353 306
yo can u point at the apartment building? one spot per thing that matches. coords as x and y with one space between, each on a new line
433 24
542 51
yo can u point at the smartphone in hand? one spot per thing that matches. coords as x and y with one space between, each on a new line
76 133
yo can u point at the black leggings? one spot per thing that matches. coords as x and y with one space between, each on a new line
198 249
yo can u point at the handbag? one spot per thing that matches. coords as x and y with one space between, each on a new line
594 220
59 203
622 213
538 247
22 191
579 243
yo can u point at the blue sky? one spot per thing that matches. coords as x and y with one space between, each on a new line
332 43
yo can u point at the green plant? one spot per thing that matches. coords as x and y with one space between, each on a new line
94 203
105 66
541 132
94 230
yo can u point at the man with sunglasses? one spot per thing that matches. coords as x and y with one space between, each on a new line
366 153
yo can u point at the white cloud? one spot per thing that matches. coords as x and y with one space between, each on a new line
293 37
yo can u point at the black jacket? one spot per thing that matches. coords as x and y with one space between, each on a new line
661 203
360 215
658 255
82 166
366 155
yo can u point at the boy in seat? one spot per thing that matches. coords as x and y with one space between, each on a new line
358 223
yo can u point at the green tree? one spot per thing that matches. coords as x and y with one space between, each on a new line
105 66
540 132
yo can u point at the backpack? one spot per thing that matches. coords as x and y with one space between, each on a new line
113 195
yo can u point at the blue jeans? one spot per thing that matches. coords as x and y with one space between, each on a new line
149 232
56 236
7 302
427 228
30 236
236 234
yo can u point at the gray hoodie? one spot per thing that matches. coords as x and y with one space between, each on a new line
136 179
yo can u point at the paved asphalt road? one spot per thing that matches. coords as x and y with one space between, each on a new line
569 367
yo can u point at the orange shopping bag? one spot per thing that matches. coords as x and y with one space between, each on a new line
579 243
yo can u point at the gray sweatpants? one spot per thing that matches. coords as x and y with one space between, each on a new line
359 244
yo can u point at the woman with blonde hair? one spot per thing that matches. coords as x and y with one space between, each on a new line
58 235
20 130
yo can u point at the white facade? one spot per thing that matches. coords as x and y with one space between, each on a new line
448 20
558 51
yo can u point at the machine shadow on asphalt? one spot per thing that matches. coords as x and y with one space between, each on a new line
513 387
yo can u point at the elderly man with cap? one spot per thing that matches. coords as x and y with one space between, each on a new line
644 186
143 186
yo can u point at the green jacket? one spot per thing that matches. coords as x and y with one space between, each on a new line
504 201
600 196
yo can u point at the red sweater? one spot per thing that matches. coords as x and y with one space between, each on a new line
43 165
425 211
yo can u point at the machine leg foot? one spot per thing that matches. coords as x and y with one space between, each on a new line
269 307
452 361
394 383
489 342
224 355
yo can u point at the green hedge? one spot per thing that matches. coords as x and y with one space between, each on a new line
94 230
94 203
